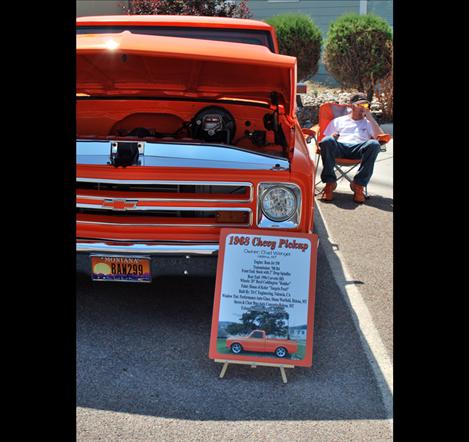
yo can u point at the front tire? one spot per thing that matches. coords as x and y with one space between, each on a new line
236 348
281 352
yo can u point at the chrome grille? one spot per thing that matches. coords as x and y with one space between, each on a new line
163 203
167 190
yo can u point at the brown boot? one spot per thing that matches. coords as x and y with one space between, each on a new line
358 192
327 191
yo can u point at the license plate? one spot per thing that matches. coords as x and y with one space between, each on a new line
120 268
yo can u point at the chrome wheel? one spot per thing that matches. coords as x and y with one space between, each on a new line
236 348
281 352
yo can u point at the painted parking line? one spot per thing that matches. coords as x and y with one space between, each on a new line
369 337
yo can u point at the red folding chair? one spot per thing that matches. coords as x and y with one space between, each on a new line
343 166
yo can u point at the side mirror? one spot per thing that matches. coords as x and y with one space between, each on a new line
309 134
300 89
299 101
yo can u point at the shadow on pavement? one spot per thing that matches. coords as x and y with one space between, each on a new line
143 349
343 200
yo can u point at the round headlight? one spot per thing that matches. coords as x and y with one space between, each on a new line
278 203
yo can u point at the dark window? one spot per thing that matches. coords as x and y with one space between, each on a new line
257 335
248 36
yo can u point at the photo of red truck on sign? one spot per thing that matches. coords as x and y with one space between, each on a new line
264 298
258 341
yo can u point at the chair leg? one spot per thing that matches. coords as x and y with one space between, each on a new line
341 173
344 173
366 192
346 177
316 190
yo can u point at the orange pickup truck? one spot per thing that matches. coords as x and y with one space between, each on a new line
185 125
259 342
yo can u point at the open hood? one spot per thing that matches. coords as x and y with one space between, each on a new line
128 64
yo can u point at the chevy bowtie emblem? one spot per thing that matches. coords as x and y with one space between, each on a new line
119 204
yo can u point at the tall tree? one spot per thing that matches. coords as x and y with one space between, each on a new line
273 320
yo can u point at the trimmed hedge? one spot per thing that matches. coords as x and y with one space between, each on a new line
299 37
358 51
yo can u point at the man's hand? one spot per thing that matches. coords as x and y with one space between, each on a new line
374 125
368 114
335 135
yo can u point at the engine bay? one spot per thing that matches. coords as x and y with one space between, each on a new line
250 127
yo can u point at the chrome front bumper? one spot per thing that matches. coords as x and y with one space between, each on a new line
187 259
148 248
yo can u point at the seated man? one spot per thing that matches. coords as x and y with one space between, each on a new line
351 136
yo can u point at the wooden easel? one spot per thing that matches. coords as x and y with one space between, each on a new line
282 367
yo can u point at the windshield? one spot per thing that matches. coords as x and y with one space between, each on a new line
247 36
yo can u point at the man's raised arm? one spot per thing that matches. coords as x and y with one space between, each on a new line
375 129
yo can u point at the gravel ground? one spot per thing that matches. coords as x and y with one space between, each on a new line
319 94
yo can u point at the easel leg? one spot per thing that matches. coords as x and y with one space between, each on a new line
223 370
254 365
284 376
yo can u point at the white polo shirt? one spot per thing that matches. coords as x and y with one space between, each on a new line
350 131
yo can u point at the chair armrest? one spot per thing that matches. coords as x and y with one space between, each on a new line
316 129
384 138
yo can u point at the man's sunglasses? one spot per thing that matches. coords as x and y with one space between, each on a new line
365 105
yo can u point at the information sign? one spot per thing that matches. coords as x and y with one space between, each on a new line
264 297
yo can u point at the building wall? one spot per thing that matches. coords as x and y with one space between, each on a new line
323 12
99 7
382 8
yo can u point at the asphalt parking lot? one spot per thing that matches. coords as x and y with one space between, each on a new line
143 372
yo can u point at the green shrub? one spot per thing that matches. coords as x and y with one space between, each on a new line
299 37
358 51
